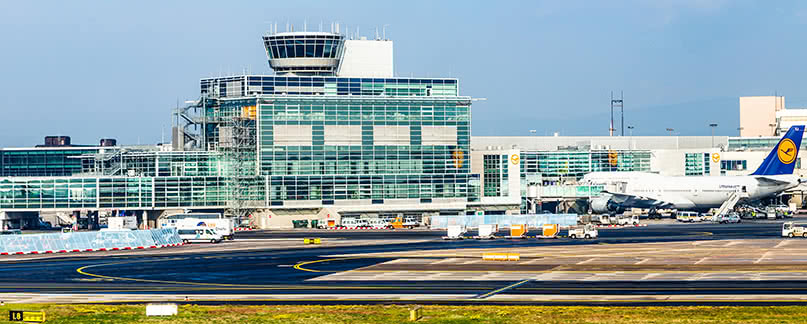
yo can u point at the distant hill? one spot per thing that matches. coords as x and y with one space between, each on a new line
689 118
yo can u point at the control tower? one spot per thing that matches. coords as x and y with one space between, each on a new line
304 53
308 53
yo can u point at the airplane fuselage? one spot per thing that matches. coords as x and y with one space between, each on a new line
688 192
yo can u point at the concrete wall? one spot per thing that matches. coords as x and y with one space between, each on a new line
367 58
758 113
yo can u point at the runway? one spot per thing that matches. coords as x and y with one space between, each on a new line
661 263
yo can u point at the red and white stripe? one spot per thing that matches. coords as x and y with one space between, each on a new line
356 228
239 229
95 250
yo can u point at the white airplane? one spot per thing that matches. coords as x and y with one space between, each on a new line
654 191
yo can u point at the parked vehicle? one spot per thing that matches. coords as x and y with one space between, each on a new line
122 222
586 231
410 222
771 213
224 226
628 220
355 222
688 217
730 218
199 234
379 223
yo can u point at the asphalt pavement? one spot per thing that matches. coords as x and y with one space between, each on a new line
271 272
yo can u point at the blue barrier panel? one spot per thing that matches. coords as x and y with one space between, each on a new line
473 221
82 241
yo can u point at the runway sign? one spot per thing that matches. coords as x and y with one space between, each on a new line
26 316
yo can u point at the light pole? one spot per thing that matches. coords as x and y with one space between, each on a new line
630 131
713 125
671 130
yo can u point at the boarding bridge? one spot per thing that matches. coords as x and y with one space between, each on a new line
729 204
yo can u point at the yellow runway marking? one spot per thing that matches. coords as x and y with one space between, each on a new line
299 266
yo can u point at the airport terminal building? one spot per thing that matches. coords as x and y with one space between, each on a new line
334 133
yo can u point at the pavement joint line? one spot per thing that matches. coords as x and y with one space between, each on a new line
488 294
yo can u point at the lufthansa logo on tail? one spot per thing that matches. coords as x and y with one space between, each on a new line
786 151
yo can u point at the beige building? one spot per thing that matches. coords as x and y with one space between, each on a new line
758 115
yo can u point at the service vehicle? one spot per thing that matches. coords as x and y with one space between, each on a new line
379 223
199 234
224 226
771 213
121 222
605 219
586 231
355 222
628 220
688 217
731 217
790 229
549 231
410 222
455 232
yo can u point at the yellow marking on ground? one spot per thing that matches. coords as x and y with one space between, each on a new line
82 271
299 266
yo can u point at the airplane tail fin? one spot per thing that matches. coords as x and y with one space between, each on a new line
782 158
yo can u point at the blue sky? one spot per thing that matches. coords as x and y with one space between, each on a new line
115 69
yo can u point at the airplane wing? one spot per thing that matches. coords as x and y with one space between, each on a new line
770 182
634 201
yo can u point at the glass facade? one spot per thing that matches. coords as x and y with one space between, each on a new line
550 169
42 162
113 192
321 148
553 166
255 85
297 46
697 164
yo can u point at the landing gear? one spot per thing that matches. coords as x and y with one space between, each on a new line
653 214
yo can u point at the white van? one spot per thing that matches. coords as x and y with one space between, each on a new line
379 223
199 234
688 216
354 222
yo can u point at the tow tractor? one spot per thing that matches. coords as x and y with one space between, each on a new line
789 229
586 231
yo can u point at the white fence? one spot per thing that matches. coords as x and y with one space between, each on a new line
87 241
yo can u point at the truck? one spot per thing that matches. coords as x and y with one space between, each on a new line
224 226
404 222
790 229
122 223
586 231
